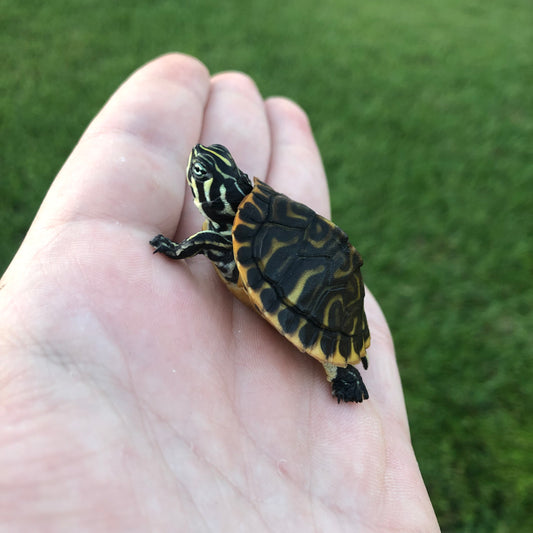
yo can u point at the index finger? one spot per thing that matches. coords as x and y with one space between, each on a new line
129 163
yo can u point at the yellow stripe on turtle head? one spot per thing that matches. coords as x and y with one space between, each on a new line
217 155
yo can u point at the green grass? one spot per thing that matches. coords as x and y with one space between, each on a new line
423 111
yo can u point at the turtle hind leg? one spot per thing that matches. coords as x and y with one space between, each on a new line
346 383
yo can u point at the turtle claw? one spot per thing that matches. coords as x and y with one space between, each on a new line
162 245
156 241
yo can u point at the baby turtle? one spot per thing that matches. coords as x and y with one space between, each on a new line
295 267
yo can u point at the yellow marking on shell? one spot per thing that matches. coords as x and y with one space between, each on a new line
236 247
299 287
336 358
329 305
250 200
366 345
276 245
292 214
323 237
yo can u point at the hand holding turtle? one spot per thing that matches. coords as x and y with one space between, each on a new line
142 393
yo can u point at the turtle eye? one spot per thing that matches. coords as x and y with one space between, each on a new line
198 170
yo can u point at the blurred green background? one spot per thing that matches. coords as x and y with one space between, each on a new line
423 111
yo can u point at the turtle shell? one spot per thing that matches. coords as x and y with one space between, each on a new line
302 274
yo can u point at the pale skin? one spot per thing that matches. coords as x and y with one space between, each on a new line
136 394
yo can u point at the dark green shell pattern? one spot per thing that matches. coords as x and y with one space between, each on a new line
302 274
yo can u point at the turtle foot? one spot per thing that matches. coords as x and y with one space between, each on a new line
348 385
163 245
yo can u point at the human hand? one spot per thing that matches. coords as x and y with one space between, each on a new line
136 393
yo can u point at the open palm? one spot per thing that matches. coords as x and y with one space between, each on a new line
136 393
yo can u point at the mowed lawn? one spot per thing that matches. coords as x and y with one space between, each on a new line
423 111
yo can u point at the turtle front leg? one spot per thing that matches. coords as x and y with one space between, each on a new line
199 243
209 243
346 383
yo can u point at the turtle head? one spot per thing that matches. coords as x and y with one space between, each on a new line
217 184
